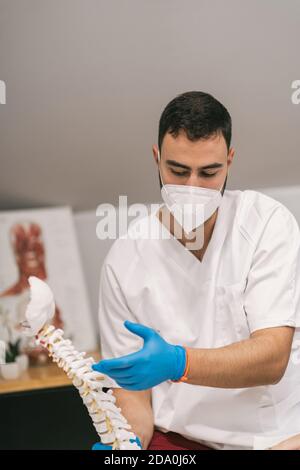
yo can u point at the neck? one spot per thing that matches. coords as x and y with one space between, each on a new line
167 219
208 230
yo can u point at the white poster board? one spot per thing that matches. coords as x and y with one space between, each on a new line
42 242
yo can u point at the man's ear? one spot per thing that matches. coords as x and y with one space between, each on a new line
155 152
230 156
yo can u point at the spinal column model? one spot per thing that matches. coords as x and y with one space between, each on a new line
109 423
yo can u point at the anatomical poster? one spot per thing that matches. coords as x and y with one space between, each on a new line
42 243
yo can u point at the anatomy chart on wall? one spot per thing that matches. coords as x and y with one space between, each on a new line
42 243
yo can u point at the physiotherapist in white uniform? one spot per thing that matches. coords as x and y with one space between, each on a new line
204 342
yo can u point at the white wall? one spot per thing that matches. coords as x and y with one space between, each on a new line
87 80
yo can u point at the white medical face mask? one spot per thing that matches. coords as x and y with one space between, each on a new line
191 206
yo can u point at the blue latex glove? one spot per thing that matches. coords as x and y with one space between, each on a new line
156 362
100 446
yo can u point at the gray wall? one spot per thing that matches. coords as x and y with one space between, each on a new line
87 80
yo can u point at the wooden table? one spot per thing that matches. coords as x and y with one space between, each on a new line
43 410
40 377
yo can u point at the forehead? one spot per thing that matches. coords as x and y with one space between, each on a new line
182 149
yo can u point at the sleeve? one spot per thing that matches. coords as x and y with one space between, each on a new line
272 294
115 339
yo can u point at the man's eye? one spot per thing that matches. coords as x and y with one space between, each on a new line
179 173
208 175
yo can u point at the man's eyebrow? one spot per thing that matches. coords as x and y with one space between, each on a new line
179 165
206 167
212 165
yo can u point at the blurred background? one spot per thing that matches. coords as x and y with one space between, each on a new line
87 81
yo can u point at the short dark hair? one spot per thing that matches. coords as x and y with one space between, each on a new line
197 113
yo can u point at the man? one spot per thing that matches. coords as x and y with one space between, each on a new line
198 338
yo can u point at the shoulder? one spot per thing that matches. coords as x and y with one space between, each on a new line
126 250
256 212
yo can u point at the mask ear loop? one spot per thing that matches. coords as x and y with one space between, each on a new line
159 162
222 190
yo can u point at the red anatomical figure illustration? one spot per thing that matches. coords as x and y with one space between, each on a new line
29 253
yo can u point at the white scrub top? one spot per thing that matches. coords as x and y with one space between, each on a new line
249 279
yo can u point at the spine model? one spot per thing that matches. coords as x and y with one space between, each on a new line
107 418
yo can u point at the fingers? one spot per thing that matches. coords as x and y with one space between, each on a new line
141 330
107 366
130 381
122 374
129 385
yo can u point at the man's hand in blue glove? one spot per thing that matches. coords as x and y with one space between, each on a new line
156 362
100 446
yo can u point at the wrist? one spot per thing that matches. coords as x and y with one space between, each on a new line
181 364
